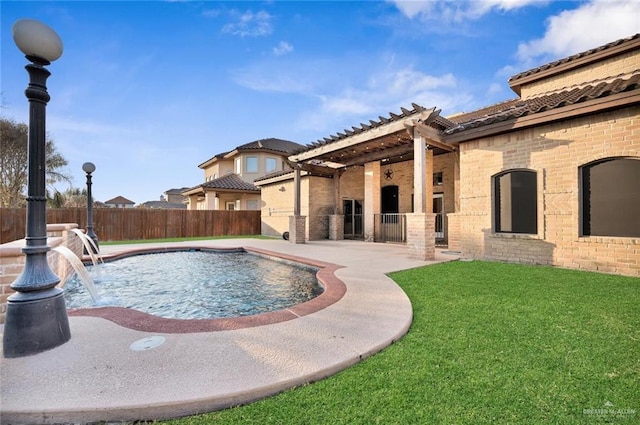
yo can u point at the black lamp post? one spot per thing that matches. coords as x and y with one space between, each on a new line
36 318
89 168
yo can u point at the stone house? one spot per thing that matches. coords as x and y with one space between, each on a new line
550 177
228 176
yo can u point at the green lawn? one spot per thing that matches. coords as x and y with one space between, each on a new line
490 343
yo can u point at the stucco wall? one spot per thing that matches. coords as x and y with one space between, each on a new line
555 152
316 204
277 206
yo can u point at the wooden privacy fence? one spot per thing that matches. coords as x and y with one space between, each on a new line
119 224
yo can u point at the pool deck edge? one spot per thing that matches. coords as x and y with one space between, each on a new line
97 377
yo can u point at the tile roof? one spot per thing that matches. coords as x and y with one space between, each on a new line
274 174
272 144
175 191
573 58
286 147
230 181
517 108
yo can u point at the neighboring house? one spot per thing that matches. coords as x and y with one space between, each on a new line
175 196
229 176
119 202
550 177
163 205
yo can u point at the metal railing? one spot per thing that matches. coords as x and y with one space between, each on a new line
390 228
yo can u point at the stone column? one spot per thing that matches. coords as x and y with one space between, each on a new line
297 222
428 176
419 174
336 220
297 229
337 198
296 190
371 198
421 238
336 227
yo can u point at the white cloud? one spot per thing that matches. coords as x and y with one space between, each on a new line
266 78
494 89
211 13
282 48
353 94
590 25
349 104
457 10
250 24
387 92
414 8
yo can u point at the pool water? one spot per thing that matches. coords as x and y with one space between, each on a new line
197 284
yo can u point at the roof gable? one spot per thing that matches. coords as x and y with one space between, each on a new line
119 200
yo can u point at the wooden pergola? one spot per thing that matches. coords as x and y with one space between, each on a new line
409 135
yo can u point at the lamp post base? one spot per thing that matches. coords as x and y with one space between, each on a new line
34 325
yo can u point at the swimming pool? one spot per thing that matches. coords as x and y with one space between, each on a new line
197 284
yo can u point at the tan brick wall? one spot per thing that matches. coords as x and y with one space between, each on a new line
12 259
352 183
614 66
320 204
403 178
453 240
555 152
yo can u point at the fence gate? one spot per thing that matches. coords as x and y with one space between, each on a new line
390 227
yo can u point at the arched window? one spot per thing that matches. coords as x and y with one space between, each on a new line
610 198
515 202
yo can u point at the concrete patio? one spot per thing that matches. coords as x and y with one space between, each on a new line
98 376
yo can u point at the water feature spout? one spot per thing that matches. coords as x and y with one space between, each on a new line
90 246
80 269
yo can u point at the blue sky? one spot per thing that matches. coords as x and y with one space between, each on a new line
147 90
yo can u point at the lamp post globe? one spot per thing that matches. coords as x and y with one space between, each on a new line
89 167
36 317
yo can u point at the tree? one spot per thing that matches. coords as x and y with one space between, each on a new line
13 163
70 198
